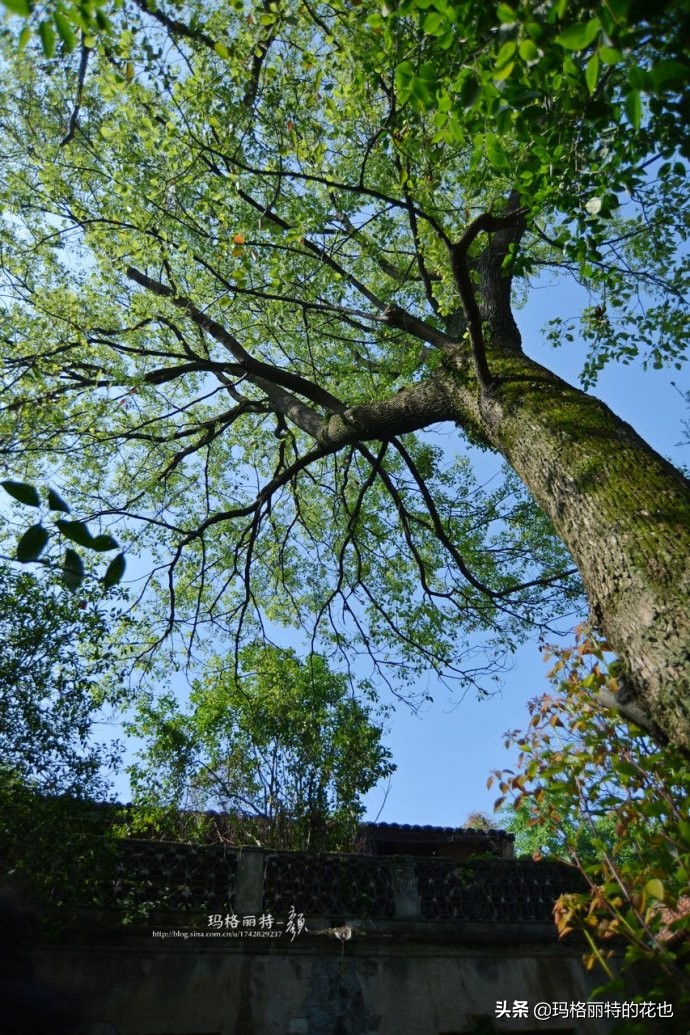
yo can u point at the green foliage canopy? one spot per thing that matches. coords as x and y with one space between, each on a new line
53 654
242 268
282 746
54 764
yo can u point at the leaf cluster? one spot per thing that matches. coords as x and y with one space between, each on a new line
33 542
582 106
60 23
600 794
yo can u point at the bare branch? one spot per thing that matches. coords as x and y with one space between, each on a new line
81 76
174 26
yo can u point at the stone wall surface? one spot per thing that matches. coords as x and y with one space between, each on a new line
246 942
147 987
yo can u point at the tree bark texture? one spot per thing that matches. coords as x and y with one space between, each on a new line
622 510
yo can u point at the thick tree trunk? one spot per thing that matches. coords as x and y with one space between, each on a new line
622 510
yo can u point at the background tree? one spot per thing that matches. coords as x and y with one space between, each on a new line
282 746
607 800
53 654
538 834
261 248
479 821
547 832
54 766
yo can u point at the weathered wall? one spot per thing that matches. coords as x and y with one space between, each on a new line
394 945
389 984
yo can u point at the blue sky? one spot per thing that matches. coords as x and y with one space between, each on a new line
445 755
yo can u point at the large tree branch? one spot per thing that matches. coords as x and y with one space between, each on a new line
81 78
253 368
418 406
174 26
490 266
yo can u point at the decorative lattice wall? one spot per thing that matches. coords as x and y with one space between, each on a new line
141 876
329 885
492 889
175 877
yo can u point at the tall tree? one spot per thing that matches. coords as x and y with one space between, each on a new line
253 250
282 748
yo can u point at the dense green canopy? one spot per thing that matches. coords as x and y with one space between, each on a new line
250 252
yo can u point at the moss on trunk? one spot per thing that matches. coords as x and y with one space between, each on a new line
622 510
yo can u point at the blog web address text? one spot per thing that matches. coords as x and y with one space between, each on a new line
230 925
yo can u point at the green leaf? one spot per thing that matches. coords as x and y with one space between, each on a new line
506 53
434 24
654 888
56 502
529 51
428 72
495 152
103 22
504 71
23 492
506 14
640 79
21 7
221 50
609 55
32 544
422 84
101 543
633 108
578 37
592 73
115 571
76 531
65 31
24 37
72 569
665 72
627 769
47 34
619 8
404 77
469 92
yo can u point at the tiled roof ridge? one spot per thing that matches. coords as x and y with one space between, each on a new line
431 828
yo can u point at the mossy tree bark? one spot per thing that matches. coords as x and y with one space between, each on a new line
621 509
624 513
